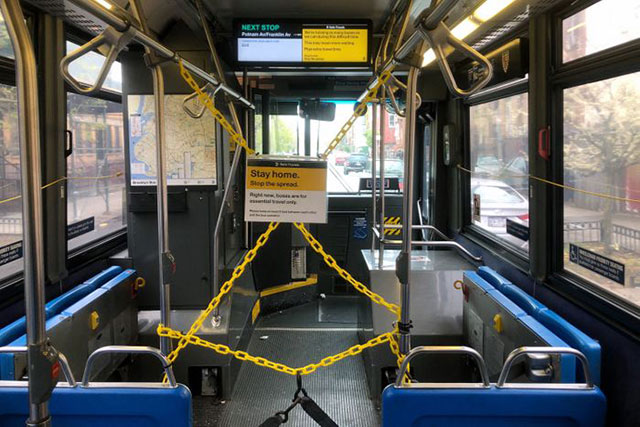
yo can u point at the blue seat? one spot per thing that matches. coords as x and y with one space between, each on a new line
564 330
492 407
103 407
14 330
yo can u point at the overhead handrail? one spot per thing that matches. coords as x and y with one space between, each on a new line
122 22
185 102
64 363
521 351
111 38
441 36
124 349
432 243
462 350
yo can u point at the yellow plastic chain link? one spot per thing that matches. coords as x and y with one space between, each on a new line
190 338
360 110
279 367
217 115
332 263
226 287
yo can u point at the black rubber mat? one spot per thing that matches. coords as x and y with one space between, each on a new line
341 390
343 310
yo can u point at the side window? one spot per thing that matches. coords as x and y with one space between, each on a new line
498 133
600 26
602 166
10 189
86 69
96 186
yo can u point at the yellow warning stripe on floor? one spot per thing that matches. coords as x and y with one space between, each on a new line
392 220
255 312
312 280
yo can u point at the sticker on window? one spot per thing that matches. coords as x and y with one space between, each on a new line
518 230
599 264
81 227
10 252
360 231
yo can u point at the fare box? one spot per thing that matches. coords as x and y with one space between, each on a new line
286 189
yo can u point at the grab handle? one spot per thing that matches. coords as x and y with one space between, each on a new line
519 352
441 36
200 113
64 363
110 37
468 351
123 349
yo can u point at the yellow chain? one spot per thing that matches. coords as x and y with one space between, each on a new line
360 110
332 263
217 115
226 287
279 367
190 338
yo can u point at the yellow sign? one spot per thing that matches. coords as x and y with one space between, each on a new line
334 45
286 190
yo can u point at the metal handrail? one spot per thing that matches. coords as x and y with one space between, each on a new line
109 37
64 363
123 349
440 37
521 351
468 351
121 22
433 243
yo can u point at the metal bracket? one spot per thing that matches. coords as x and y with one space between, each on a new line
111 38
441 36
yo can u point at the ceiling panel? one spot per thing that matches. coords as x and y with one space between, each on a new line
226 10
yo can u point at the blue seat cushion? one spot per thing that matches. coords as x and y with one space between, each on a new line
103 407
493 407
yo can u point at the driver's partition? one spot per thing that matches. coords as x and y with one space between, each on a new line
103 404
495 405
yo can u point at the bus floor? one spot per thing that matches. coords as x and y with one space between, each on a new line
297 337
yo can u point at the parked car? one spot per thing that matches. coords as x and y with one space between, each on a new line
515 173
340 157
393 168
499 202
356 162
488 165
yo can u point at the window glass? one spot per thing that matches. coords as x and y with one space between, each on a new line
602 155
96 197
351 160
6 48
10 190
600 26
86 68
500 168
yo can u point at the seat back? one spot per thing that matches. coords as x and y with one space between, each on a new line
128 405
102 404
491 405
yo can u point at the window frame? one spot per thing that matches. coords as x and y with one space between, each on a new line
514 255
82 254
608 63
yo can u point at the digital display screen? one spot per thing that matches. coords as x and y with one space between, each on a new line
287 42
